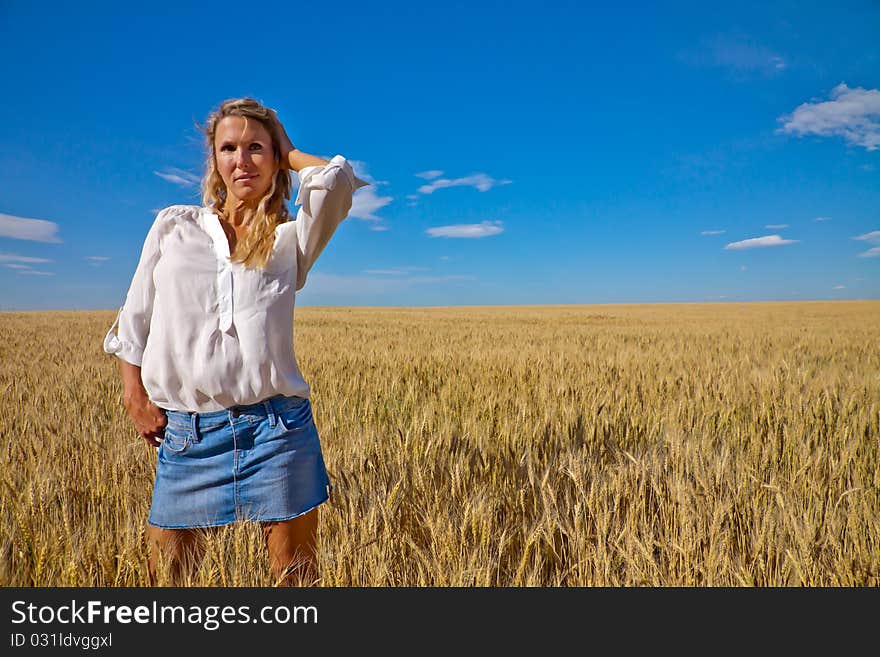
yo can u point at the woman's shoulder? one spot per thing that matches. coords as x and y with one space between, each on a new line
177 213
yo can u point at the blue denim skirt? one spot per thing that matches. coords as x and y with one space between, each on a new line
260 462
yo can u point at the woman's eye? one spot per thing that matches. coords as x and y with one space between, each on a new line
227 147
256 147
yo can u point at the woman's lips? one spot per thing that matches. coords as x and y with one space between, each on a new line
245 178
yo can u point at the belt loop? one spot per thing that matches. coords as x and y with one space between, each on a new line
270 412
194 418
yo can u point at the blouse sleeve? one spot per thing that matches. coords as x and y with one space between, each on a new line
325 196
133 319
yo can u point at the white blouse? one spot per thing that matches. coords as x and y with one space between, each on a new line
208 333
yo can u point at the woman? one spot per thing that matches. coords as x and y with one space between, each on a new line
205 344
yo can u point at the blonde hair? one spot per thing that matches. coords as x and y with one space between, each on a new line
254 249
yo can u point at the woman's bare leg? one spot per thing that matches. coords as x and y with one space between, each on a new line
291 544
178 548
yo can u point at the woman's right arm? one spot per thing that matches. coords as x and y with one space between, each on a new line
149 420
130 340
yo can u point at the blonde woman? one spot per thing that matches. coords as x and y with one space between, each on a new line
205 347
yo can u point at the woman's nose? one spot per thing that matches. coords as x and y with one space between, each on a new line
242 157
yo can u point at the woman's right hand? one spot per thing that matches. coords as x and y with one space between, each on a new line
286 146
149 420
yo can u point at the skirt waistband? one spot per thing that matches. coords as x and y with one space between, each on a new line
266 408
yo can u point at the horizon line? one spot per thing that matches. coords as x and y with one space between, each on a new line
488 305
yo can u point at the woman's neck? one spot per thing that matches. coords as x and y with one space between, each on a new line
237 212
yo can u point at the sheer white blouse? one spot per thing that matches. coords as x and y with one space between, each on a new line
208 333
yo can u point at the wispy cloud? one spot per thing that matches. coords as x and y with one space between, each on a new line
776 226
366 202
396 271
386 272
179 177
19 268
759 242
713 232
321 284
430 175
738 53
14 257
22 228
822 219
362 171
480 181
98 258
872 238
483 229
853 114
839 287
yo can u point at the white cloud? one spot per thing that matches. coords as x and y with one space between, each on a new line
22 228
822 219
776 226
712 232
362 171
738 53
839 287
321 284
430 175
385 272
366 202
441 279
743 268
12 257
483 229
480 181
34 272
758 242
873 237
179 177
853 114
98 258
396 271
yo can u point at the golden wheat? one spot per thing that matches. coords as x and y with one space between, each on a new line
660 445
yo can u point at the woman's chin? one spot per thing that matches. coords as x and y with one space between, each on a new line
249 194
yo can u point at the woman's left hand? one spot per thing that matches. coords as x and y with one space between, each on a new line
286 145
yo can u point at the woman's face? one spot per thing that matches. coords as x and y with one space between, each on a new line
245 158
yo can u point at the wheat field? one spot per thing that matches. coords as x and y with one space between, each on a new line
643 445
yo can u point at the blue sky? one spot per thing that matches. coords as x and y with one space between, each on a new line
520 153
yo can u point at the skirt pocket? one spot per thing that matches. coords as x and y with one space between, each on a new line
296 416
177 440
